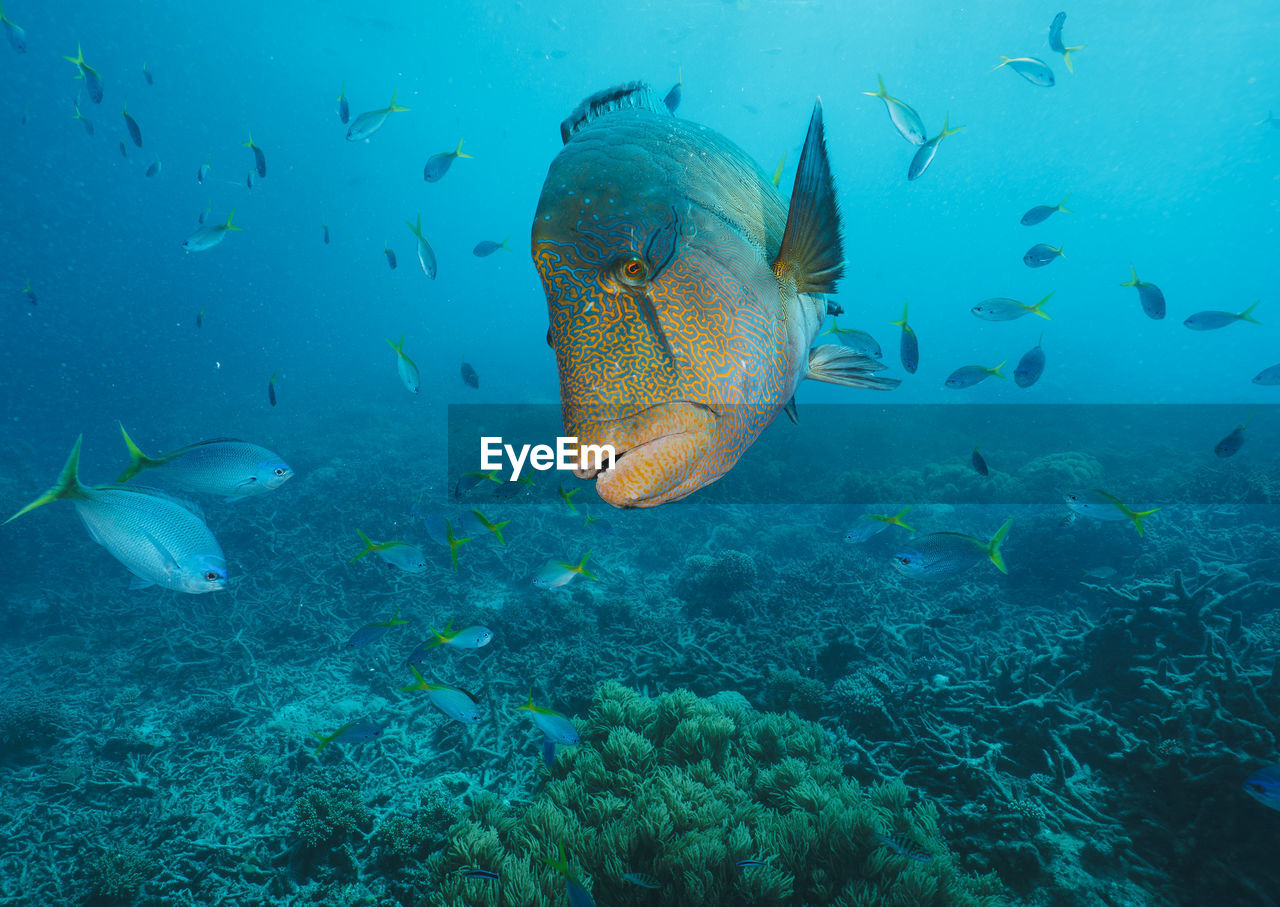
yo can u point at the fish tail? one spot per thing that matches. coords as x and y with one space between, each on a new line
417 231
903 323
993 546
1066 57
947 131
343 92
896 519
138 460
1037 310
248 144
1003 61
777 171
1062 206
398 347
67 486
581 569
996 371
420 685
230 226
395 108
458 152
78 58
496 529
1134 282
880 91
325 740
1137 516
454 544
1247 314
369 546
1058 250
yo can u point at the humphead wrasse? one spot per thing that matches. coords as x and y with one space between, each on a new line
684 296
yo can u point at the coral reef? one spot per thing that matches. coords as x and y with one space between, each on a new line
682 789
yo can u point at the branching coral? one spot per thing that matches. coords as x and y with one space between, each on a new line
330 810
120 872
682 789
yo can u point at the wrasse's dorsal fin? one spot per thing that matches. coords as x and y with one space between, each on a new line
812 252
639 95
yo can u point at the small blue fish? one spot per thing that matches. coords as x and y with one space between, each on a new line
1264 786
438 164
942 555
672 99
408 558
578 896
869 525
131 124
555 574
484 875
1056 43
1030 366
1035 71
351 732
969 375
457 704
644 880
325 228
1149 295
202 174
556 728
748 864
259 159
209 235
17 37
391 256
1268 377
344 110
487 247
371 632
856 340
925 153
371 121
1041 213
1211 321
426 255
474 637
908 346
1041 254
905 848
1231 444
1099 505
223 466
977 462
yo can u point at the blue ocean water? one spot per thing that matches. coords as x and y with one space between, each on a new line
164 722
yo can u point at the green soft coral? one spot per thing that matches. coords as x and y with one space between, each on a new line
682 788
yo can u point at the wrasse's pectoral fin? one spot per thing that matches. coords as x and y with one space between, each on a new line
792 413
841 365
812 252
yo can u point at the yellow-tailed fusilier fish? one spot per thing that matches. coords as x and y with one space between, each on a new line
157 538
406 367
132 125
223 466
426 255
683 294
438 164
259 158
209 235
371 121
92 78
17 37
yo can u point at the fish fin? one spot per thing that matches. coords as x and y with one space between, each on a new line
1003 61
629 95
230 226
396 108
903 323
777 171
1061 206
420 685
1135 281
549 752
1038 311
1137 517
993 546
880 90
790 410
139 460
67 486
369 546
581 569
896 519
496 529
995 372
812 252
458 152
840 365
1247 314
946 131
138 582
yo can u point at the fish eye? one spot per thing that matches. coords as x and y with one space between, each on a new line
633 271
210 576
279 471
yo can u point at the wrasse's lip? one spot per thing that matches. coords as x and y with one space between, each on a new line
622 450
592 472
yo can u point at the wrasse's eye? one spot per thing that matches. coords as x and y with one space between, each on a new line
633 271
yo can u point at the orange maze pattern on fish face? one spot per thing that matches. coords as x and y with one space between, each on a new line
613 364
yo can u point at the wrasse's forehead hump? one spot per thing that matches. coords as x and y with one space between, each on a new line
629 94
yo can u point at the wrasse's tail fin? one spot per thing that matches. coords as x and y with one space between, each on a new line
67 486
812 252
